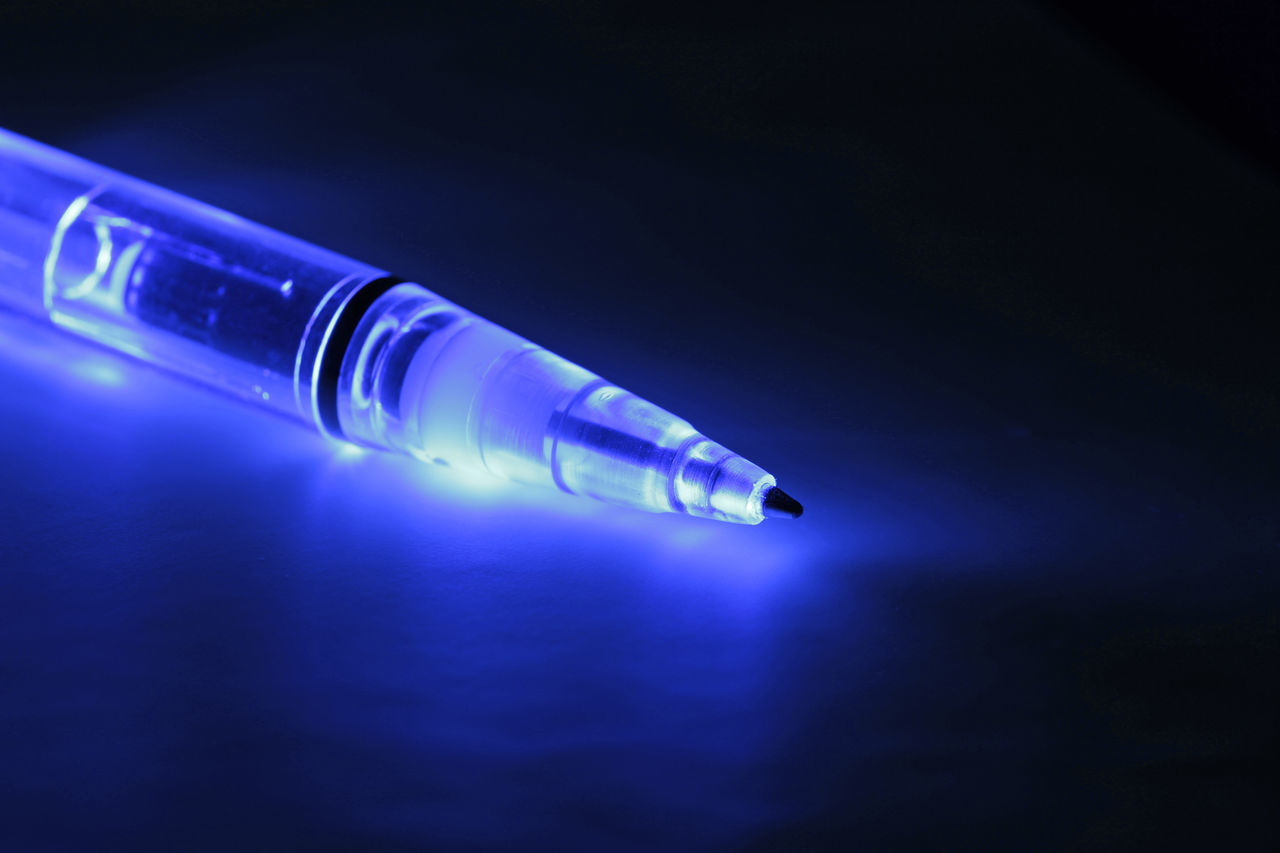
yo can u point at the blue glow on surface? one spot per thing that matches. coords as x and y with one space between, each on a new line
401 620
103 371
347 450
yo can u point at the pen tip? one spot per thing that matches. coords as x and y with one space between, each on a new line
779 504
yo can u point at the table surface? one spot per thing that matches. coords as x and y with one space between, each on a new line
983 316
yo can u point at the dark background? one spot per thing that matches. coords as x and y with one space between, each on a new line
990 286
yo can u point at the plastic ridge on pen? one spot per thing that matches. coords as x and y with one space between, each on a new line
341 346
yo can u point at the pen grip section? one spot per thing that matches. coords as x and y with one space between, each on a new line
423 376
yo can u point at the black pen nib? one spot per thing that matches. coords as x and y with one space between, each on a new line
779 504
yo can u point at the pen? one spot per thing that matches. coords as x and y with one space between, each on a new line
341 346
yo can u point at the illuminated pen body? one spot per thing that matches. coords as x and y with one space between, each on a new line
340 345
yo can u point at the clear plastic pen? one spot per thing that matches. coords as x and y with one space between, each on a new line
339 345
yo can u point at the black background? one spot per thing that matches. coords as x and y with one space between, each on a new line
990 286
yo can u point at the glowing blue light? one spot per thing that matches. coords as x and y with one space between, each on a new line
337 344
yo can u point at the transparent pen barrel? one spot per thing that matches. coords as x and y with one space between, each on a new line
336 343
167 279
